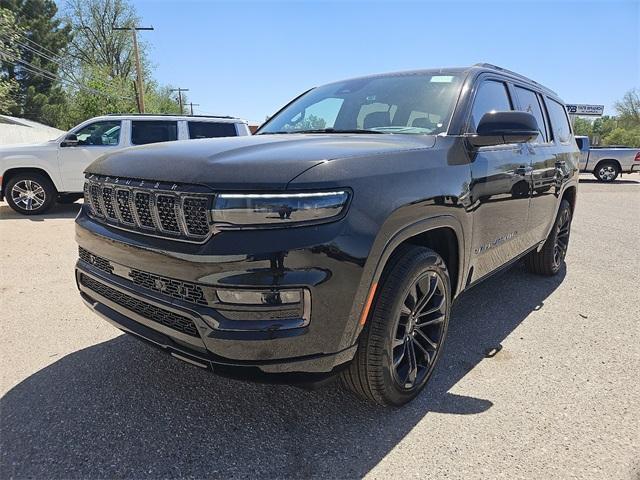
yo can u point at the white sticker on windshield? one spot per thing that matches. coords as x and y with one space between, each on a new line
442 79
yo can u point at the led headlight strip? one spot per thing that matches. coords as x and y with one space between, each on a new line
272 209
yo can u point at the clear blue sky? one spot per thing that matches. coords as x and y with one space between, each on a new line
249 58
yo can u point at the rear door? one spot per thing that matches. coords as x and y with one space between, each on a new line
499 187
153 131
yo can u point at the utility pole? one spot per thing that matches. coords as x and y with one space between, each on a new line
180 90
191 104
136 52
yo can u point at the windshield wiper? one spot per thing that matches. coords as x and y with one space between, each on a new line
335 130
320 130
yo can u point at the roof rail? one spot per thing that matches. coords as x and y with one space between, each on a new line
512 73
166 115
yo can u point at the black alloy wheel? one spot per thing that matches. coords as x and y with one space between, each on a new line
405 330
550 258
419 331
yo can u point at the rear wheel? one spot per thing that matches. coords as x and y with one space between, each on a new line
607 171
549 260
402 340
30 193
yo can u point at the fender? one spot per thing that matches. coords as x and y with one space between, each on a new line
382 250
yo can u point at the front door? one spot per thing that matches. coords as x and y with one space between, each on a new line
93 140
500 189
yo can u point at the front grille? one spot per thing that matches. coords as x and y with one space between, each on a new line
174 288
156 314
98 262
150 207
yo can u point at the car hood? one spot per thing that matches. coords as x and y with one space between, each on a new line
251 162
26 148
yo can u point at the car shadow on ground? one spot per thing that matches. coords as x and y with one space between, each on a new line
59 210
124 409
618 181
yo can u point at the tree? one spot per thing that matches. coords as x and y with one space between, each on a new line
582 126
103 61
629 137
95 42
38 95
8 36
629 108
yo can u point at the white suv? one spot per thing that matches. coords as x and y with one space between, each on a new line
34 177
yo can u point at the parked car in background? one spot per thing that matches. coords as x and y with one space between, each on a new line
335 239
34 177
606 163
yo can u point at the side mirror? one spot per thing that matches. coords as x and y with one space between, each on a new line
70 140
497 128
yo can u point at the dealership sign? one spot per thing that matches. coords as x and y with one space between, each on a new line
574 109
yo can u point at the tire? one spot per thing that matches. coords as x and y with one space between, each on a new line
607 171
391 344
30 193
548 261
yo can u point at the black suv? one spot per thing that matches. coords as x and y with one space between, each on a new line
336 238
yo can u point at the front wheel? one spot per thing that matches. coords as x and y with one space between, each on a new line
30 193
404 334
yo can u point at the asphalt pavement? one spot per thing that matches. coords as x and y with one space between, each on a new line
560 399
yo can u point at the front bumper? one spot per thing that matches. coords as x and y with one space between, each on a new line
287 350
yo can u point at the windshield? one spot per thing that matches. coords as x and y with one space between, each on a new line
417 103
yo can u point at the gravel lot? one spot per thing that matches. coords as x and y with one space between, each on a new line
561 399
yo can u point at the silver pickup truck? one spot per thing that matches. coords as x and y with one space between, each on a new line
606 163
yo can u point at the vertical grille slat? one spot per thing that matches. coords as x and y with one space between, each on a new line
166 206
107 203
123 206
95 193
142 203
157 209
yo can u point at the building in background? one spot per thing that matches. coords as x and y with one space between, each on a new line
18 130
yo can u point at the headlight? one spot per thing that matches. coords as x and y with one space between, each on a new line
255 209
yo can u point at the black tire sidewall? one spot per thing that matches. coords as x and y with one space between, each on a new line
44 182
423 261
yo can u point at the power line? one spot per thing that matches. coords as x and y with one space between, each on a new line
39 71
180 90
191 104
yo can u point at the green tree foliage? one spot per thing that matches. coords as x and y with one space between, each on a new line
37 96
629 109
582 126
9 31
103 60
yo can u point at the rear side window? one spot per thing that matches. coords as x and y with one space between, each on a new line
492 96
211 129
530 103
559 121
152 131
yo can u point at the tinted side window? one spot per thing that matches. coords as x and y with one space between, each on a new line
579 142
99 134
492 96
211 129
559 121
151 131
529 103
